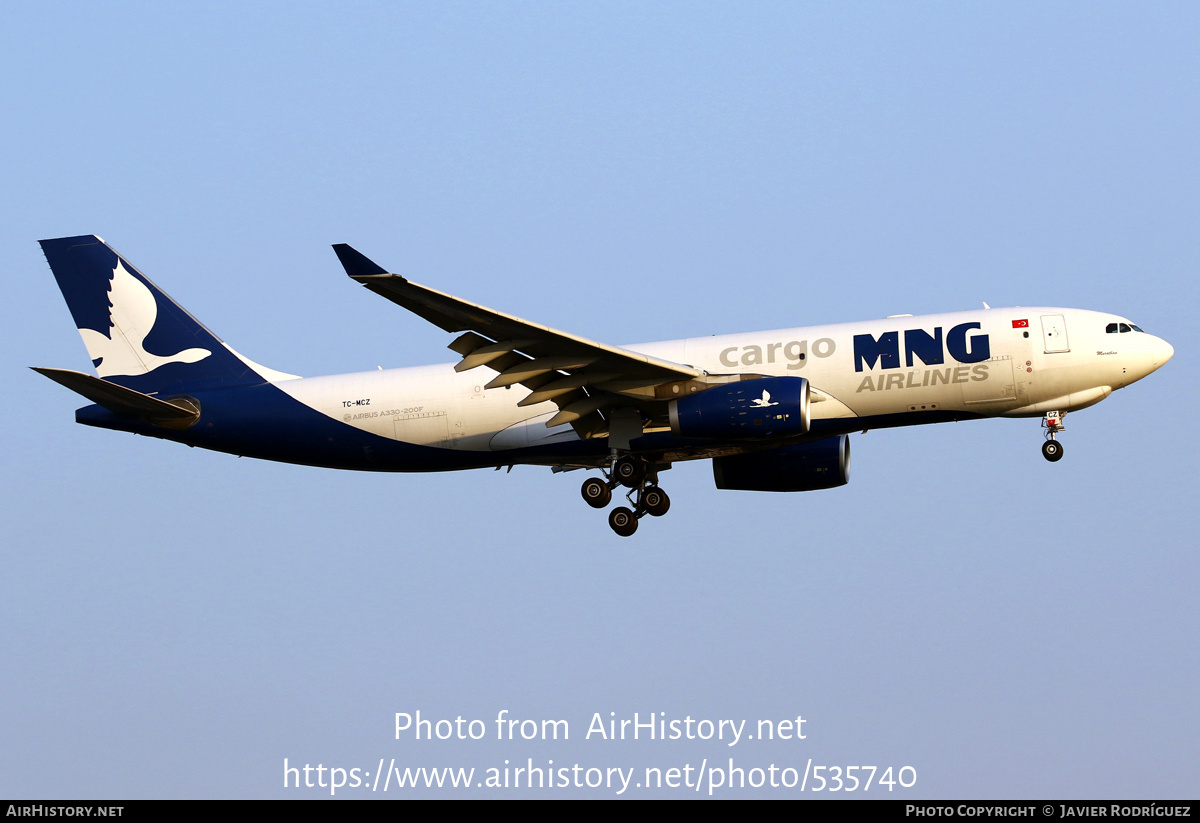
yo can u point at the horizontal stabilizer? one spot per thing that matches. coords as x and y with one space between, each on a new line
123 401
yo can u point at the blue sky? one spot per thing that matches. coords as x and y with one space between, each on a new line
177 623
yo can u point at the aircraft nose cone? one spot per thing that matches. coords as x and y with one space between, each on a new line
1163 351
1148 355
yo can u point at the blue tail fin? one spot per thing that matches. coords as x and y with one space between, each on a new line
136 335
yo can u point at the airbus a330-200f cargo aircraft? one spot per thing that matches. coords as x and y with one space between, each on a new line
772 409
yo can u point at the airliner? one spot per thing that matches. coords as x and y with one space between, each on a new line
772 410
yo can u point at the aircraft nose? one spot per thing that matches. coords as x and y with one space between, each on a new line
1162 351
1147 354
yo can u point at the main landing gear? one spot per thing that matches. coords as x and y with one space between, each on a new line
641 478
1052 450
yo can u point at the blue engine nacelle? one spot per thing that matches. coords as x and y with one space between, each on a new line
804 467
763 407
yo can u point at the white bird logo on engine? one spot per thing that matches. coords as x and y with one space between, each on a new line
764 401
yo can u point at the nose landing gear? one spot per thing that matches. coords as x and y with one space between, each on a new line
644 495
1052 450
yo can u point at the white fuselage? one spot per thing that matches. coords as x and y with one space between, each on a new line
1014 362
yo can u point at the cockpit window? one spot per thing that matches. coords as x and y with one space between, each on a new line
1135 328
1111 328
1121 328
1125 328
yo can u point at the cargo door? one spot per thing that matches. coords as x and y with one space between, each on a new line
991 382
423 428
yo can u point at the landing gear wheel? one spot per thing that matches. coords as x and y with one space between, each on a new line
622 521
629 472
1052 450
596 493
655 502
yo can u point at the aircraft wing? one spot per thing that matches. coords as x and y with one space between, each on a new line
586 379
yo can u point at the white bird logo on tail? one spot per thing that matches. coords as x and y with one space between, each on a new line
133 313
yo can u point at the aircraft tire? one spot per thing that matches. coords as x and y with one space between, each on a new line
629 472
596 493
656 502
1052 450
622 521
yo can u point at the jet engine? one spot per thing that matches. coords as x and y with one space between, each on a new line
763 407
804 467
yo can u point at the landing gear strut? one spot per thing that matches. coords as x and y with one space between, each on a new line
644 495
1052 450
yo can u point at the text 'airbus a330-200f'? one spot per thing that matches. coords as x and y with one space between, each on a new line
772 409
